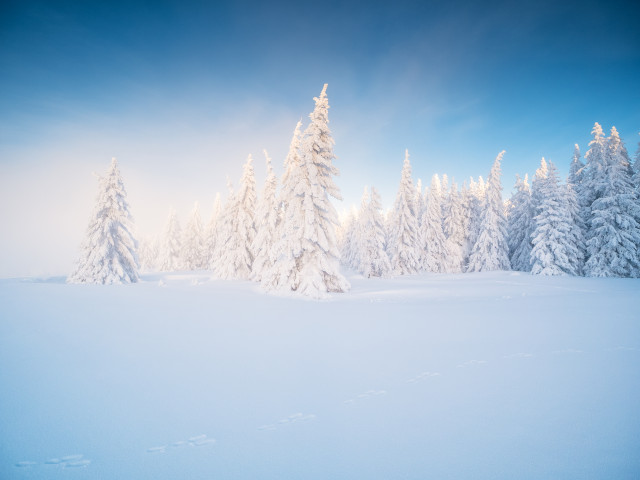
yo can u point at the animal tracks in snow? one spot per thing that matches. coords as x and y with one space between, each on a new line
68 461
291 419
423 376
195 441
365 395
519 355
472 363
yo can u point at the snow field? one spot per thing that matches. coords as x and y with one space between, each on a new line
491 375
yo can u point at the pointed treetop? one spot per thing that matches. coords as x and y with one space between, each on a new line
324 90
614 132
544 168
576 152
597 131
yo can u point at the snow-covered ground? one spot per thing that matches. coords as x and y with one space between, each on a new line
476 376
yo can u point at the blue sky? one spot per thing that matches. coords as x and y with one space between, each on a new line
182 92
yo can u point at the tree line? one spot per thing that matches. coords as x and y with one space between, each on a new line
290 239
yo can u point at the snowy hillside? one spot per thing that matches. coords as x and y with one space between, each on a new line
483 376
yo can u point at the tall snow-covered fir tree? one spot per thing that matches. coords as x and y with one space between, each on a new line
433 250
267 216
475 211
554 250
224 232
403 226
348 244
193 246
283 273
109 251
490 251
211 232
636 169
577 233
236 249
454 229
576 169
592 182
315 270
373 261
171 244
149 253
614 234
520 226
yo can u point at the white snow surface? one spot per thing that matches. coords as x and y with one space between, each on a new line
485 376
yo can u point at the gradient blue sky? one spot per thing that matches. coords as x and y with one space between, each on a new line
182 92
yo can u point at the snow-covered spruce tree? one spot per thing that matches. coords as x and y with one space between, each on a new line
224 231
267 217
109 249
348 244
236 252
576 169
433 244
211 232
475 205
454 229
374 261
576 183
466 200
286 248
577 233
149 253
315 271
403 228
636 169
171 244
554 250
420 201
614 237
490 252
592 183
193 249
520 226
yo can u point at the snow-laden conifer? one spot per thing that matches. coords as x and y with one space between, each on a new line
109 251
614 237
466 201
373 258
454 229
476 203
554 250
311 266
236 253
171 244
404 234
490 252
211 232
433 244
520 225
193 249
593 178
224 232
349 242
576 169
283 273
578 232
636 169
149 253
267 217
